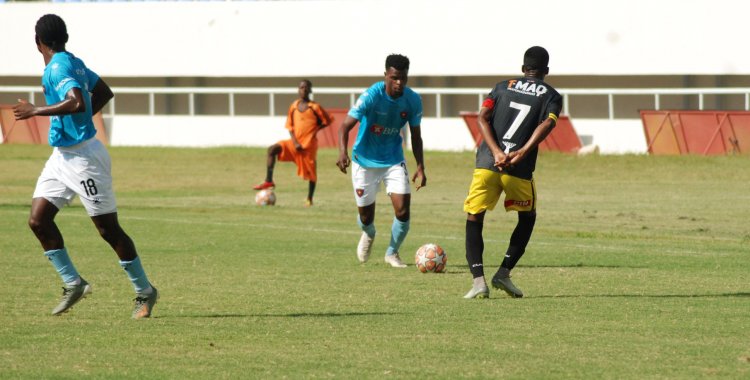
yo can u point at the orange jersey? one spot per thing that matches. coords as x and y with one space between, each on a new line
305 125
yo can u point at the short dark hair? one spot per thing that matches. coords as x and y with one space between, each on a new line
536 57
51 31
397 61
309 84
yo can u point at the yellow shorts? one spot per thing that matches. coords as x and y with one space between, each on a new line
487 185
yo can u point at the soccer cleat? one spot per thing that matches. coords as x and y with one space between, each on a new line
264 185
482 292
308 202
71 295
501 280
364 247
394 261
144 304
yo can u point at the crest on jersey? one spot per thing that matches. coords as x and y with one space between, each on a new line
377 129
403 114
359 192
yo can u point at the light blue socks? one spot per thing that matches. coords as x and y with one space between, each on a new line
399 230
65 268
369 229
137 275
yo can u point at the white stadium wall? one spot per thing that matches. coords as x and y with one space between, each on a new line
445 134
351 38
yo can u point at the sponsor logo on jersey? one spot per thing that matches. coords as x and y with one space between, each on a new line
380 130
359 192
511 202
527 88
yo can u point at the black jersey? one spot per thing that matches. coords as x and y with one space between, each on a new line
518 107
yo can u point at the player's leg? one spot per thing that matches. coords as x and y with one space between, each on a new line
396 182
271 154
484 193
365 182
521 197
50 196
41 222
310 193
311 167
110 230
399 228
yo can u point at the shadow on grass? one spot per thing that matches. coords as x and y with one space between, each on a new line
579 265
728 295
288 315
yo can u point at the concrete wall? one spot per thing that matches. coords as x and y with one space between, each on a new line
444 134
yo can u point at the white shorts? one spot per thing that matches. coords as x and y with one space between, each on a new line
366 182
84 169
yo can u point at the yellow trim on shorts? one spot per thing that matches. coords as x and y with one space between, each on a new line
553 117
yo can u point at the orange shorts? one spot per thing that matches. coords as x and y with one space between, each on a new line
305 159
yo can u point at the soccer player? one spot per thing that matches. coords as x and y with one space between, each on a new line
79 164
514 118
304 119
378 156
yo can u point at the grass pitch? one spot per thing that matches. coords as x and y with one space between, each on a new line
637 268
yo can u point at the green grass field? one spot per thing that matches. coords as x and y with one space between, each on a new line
638 268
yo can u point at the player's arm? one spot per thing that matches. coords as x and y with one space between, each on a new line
100 96
346 126
485 114
416 147
323 116
540 133
73 103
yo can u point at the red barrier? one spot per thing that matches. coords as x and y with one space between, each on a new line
328 137
35 130
563 137
697 132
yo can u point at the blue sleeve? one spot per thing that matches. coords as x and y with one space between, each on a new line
63 80
92 78
416 118
364 102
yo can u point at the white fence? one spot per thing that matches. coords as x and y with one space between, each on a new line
271 92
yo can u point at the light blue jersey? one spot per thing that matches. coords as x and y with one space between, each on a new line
63 73
381 118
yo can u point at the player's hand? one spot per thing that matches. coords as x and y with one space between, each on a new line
422 178
343 162
501 159
23 110
516 157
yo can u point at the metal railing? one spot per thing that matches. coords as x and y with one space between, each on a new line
480 93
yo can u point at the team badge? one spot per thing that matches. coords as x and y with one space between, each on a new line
403 114
359 192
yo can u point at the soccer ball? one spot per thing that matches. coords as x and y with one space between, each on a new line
265 198
431 258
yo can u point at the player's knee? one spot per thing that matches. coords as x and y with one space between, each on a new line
403 215
110 233
36 224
